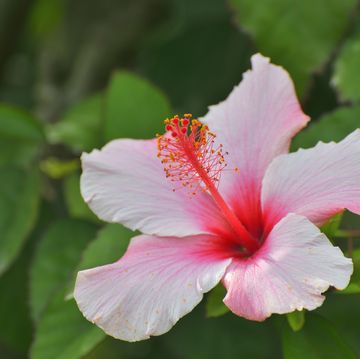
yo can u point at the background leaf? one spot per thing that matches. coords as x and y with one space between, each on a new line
56 257
16 327
332 225
344 312
81 126
77 336
215 306
20 136
296 319
197 55
63 333
109 245
354 286
228 336
333 126
56 168
346 77
19 202
299 35
307 341
75 203
134 108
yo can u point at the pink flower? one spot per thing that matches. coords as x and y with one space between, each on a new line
232 206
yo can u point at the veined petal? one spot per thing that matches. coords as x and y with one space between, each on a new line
316 183
255 124
294 266
125 183
159 280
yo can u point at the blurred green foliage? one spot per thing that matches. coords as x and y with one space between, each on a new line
76 74
296 320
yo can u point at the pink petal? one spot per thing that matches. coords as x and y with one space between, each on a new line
316 183
294 266
255 124
157 282
125 183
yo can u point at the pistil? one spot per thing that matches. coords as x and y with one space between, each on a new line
189 155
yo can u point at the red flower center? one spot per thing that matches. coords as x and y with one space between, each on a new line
190 157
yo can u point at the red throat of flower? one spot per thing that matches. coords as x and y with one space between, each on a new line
192 160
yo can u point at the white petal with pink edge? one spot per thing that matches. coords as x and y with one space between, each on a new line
316 183
296 264
255 124
158 281
125 183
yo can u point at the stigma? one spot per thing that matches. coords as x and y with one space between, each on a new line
189 154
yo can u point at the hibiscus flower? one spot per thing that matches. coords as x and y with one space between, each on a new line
220 199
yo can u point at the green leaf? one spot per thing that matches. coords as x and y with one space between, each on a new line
81 127
45 17
332 225
199 57
318 339
16 326
344 311
56 168
215 306
63 333
228 336
354 286
356 260
333 126
296 320
75 203
19 202
346 78
20 136
56 257
300 35
134 108
109 245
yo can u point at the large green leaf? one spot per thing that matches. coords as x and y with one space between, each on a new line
332 225
55 260
344 311
228 336
300 35
109 245
333 126
75 203
19 202
215 306
354 285
198 57
20 136
16 327
318 339
81 126
356 260
63 333
134 108
346 76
